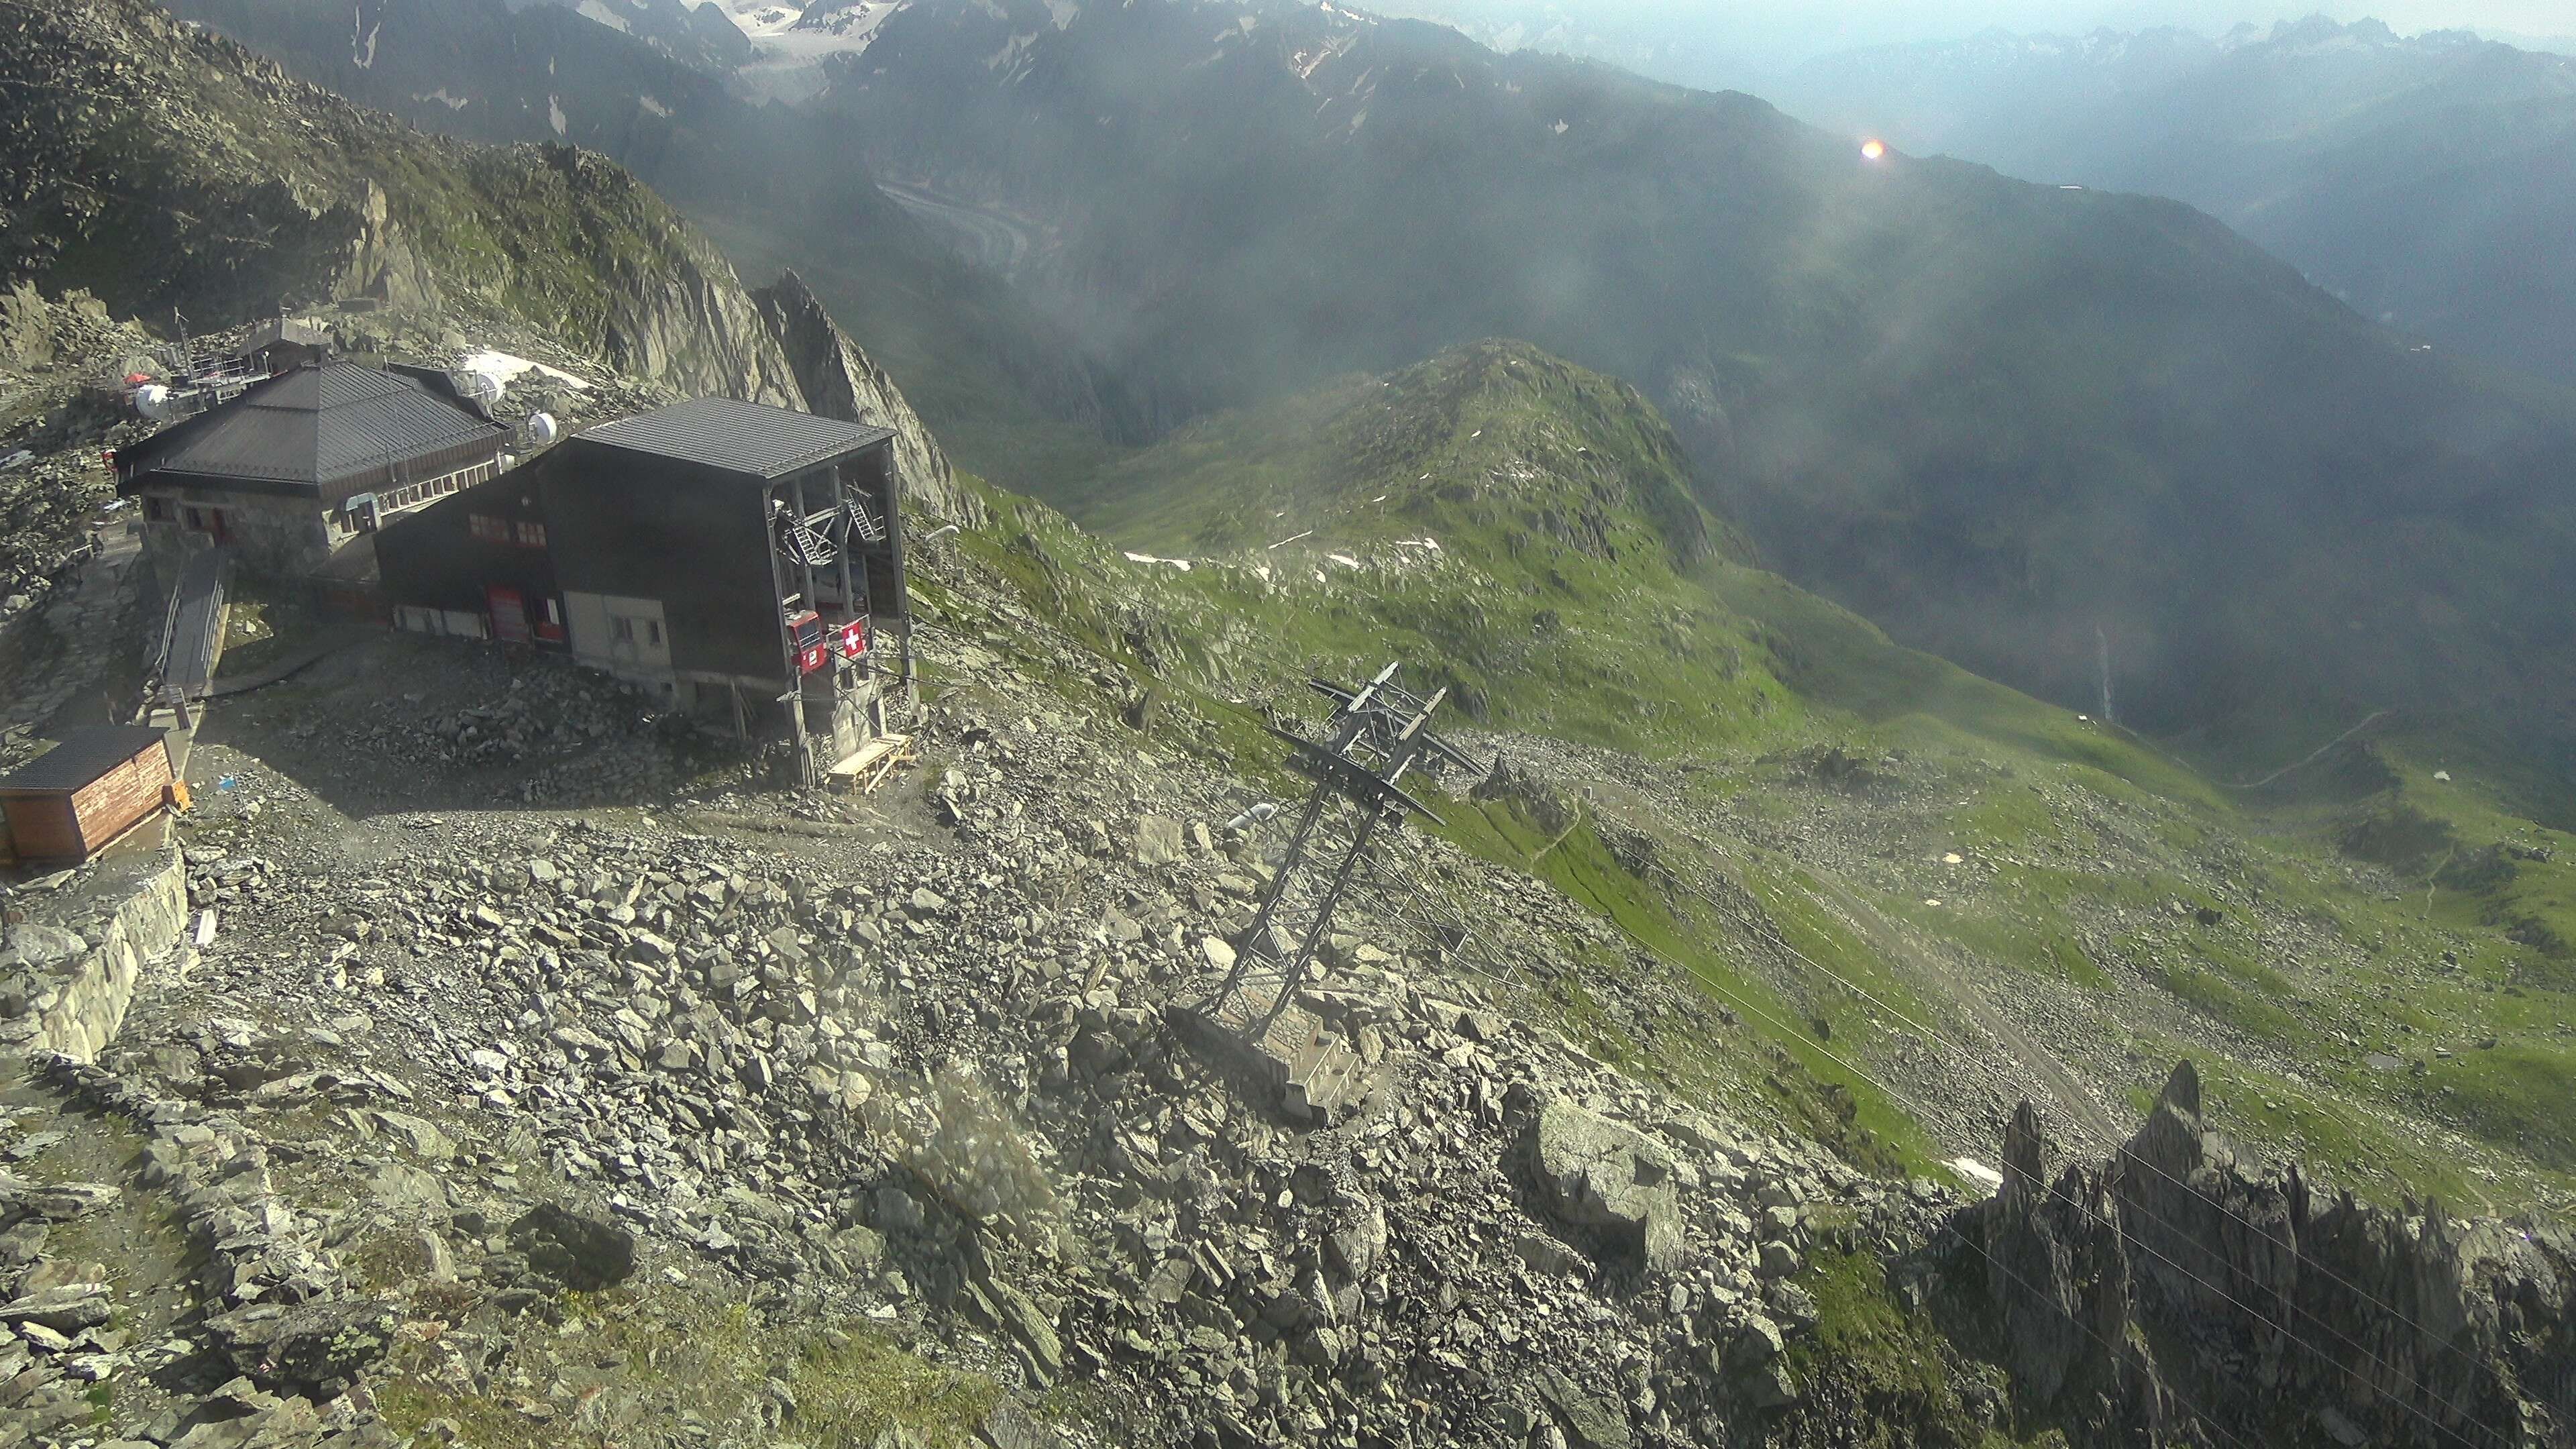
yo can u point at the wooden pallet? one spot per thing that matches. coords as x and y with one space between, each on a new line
867 767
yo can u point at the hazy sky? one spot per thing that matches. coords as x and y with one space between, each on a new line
1775 32
1962 17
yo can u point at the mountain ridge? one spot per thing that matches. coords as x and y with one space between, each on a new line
2419 177
1996 416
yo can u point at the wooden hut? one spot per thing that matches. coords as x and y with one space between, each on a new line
66 804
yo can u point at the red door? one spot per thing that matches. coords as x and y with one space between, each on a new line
509 614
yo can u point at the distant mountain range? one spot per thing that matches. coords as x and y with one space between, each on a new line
2008 421
2429 181
1990 414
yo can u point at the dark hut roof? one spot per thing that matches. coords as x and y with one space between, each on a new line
306 430
83 756
752 440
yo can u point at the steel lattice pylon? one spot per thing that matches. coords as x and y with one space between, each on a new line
1376 734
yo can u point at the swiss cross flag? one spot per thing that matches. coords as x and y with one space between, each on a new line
811 659
854 638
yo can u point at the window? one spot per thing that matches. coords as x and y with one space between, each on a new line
621 628
653 632
157 509
487 528
195 519
531 535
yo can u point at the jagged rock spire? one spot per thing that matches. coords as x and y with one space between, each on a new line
2025 1167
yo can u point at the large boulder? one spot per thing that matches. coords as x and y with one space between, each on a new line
575 1249
305 1345
1610 1179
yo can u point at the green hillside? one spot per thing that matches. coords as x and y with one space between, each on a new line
2375 963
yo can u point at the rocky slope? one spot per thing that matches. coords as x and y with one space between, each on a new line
777 187
164 167
665 1110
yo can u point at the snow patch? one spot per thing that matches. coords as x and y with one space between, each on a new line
651 104
1977 1172
1560 127
593 10
440 95
793 44
1062 12
1345 560
362 48
1012 49
1146 558
507 368
555 114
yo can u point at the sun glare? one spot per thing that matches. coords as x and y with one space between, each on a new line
1873 148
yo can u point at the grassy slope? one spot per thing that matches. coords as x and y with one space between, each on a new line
1556 605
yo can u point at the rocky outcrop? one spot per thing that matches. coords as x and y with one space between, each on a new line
65 983
310 198
839 380
687 321
1612 1179
2295 1314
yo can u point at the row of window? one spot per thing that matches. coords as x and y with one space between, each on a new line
438 487
526 533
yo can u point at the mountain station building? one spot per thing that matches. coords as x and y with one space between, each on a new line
743 562
292 471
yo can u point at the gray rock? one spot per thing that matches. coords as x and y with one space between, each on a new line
66 1308
581 1251
1759 1340
1030 1325
1008 1426
305 1344
1778 1260
1357 1248
1589 1422
1613 1179
1158 840
30 946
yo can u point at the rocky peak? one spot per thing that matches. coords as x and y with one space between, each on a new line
2174 1263
839 380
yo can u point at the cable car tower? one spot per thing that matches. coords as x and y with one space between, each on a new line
1377 733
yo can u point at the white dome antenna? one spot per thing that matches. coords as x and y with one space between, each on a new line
478 385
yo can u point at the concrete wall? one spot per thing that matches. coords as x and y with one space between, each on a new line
67 973
285 537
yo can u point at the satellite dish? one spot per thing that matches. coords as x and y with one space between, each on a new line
540 429
157 403
477 385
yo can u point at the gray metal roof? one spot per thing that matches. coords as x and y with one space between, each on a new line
84 755
750 439
316 425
